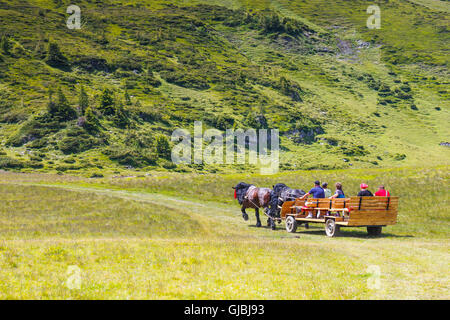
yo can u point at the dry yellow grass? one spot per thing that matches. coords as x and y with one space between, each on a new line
124 243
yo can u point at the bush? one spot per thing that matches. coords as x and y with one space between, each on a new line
61 109
91 63
55 58
290 89
10 163
5 44
107 102
168 165
120 117
353 150
130 157
97 175
13 116
163 147
91 122
77 140
33 129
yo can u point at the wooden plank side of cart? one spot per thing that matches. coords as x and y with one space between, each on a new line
372 211
358 211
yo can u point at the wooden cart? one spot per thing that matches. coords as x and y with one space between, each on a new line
371 212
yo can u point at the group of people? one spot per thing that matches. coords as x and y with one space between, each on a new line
322 191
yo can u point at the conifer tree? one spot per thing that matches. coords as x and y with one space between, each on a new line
107 102
83 100
54 56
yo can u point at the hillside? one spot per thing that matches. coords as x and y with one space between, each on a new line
105 99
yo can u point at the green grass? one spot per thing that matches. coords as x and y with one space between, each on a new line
201 76
152 238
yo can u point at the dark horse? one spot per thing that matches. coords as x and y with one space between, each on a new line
278 196
250 196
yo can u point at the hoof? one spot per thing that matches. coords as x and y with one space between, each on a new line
274 227
258 224
245 216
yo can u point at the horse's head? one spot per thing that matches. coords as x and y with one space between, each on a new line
240 190
278 188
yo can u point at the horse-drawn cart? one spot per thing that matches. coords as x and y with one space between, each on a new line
371 212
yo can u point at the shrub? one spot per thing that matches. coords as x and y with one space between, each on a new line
130 157
5 44
91 63
61 109
33 129
83 100
168 165
10 163
97 175
77 140
151 80
106 102
163 147
120 117
54 56
13 116
290 89
353 150
399 156
91 122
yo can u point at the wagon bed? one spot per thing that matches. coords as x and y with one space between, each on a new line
371 212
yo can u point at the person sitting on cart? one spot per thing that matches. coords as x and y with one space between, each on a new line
317 192
326 190
382 192
339 192
364 192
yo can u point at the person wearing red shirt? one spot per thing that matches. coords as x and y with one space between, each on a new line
382 192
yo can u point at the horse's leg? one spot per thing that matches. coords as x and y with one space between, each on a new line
244 214
258 222
270 219
267 211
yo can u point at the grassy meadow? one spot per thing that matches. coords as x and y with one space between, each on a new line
181 236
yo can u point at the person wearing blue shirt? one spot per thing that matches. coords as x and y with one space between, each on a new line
317 192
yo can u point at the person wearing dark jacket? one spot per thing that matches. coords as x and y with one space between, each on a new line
364 192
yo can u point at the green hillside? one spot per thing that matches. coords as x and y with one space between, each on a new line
105 99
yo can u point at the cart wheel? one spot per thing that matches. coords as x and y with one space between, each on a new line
291 224
331 228
374 231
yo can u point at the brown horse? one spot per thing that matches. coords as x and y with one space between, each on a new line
250 196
